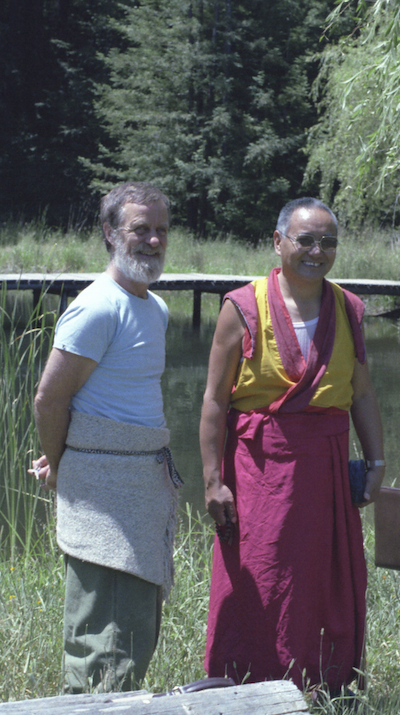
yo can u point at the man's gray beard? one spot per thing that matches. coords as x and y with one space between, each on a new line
146 269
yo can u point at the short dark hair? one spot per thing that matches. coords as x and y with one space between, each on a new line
131 192
307 202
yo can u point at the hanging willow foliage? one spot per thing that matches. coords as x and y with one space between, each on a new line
355 147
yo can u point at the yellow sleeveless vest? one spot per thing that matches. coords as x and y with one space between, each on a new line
263 379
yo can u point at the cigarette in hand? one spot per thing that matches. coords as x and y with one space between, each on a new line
35 471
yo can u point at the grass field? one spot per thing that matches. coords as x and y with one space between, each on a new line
34 247
31 608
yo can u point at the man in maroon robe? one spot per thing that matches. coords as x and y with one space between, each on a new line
286 366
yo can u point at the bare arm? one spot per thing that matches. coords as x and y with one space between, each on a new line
225 355
368 425
64 375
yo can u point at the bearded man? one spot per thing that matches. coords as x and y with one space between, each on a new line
99 415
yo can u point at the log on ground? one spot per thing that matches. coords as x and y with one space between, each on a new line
278 697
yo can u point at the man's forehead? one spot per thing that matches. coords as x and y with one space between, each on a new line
312 218
131 210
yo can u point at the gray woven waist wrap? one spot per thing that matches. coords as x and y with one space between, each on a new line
115 508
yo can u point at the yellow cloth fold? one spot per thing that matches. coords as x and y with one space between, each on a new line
263 379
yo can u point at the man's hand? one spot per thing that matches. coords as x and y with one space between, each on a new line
374 480
367 421
225 356
219 499
42 472
63 376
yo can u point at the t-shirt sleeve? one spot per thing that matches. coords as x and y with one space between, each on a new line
163 307
86 330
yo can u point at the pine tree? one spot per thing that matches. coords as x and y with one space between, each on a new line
48 67
211 101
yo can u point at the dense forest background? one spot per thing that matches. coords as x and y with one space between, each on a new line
232 107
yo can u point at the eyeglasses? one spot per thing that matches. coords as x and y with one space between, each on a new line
328 244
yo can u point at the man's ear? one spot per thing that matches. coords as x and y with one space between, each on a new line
108 233
277 242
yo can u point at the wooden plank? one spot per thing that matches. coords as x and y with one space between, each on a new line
67 285
269 698
69 704
204 282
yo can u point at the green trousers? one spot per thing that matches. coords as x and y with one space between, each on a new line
111 626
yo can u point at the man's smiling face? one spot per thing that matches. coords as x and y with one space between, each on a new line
139 249
306 264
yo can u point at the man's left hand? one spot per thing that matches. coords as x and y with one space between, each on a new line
374 480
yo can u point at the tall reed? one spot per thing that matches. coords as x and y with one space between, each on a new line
22 351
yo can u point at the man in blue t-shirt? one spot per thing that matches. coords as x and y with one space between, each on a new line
99 415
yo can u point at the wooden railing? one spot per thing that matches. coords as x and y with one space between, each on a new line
68 285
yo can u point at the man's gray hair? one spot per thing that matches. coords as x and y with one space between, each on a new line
132 192
305 202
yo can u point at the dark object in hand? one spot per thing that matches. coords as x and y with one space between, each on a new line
225 532
358 480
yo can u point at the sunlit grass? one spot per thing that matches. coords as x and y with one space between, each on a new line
31 610
31 616
37 248
374 255
56 253
180 652
189 255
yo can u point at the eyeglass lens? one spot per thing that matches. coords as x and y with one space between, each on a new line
327 243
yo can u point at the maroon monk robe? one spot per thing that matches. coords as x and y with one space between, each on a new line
288 596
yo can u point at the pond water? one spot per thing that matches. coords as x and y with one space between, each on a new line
184 382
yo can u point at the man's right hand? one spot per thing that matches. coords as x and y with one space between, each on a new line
219 499
63 376
42 472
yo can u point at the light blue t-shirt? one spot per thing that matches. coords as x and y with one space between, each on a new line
125 335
